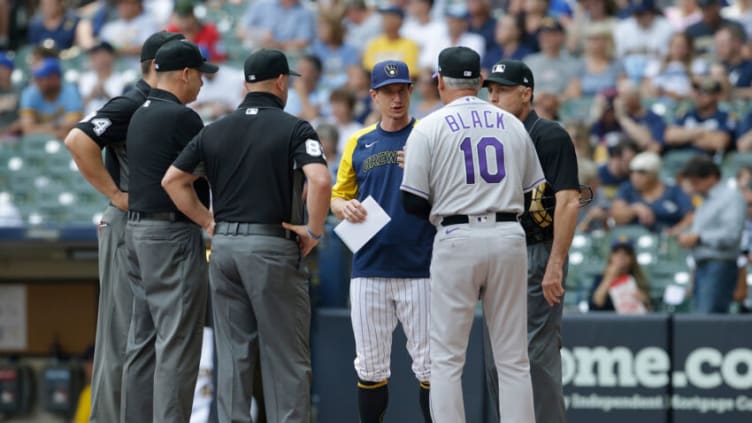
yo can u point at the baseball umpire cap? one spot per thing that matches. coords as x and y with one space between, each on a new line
181 54
389 72
155 41
266 64
459 62
511 73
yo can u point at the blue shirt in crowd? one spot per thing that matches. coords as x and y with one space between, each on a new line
64 35
669 209
334 62
285 24
69 101
719 121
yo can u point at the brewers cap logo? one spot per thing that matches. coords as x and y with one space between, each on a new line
390 70
498 68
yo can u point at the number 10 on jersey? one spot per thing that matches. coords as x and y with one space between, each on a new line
488 148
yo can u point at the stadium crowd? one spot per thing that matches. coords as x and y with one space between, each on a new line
642 86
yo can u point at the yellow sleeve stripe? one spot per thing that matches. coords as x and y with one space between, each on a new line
346 186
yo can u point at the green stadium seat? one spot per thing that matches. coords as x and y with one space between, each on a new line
735 161
673 161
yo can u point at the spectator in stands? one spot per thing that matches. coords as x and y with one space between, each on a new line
733 69
221 93
615 171
508 43
705 128
621 262
605 129
481 21
740 11
532 15
457 34
672 78
642 38
334 54
307 99
715 235
329 137
50 105
683 14
342 105
9 95
362 24
647 201
702 32
744 142
589 13
390 45
420 26
286 25
546 105
53 21
595 215
101 83
643 126
129 31
204 34
553 66
599 71
359 82
428 95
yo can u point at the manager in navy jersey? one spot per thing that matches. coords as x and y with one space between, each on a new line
390 274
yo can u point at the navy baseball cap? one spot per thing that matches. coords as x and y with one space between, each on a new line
392 10
459 62
266 64
6 61
642 6
511 73
389 72
155 41
181 54
46 68
622 242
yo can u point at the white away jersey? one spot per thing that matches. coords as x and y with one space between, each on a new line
469 158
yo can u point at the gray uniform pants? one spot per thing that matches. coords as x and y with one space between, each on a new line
261 309
113 318
544 343
167 269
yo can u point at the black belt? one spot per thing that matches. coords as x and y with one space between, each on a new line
164 216
239 228
459 219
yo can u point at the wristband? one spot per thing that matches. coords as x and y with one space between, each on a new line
312 235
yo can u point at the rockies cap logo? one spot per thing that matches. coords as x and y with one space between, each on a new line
390 70
498 68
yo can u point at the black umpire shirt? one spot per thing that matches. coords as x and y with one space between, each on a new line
108 127
158 132
253 161
559 162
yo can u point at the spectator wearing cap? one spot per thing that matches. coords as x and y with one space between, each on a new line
101 83
553 66
507 44
642 38
54 22
166 255
335 55
420 26
362 24
457 35
599 71
705 127
287 25
645 200
732 68
702 32
131 28
621 263
204 34
259 287
9 96
49 105
390 45
615 171
714 237
481 21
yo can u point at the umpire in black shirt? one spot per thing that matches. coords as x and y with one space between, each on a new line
510 87
107 129
255 160
167 263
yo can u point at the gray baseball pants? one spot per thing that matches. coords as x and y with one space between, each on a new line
262 309
544 343
113 317
168 272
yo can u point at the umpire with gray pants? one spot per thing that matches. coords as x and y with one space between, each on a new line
256 159
167 263
510 87
107 129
